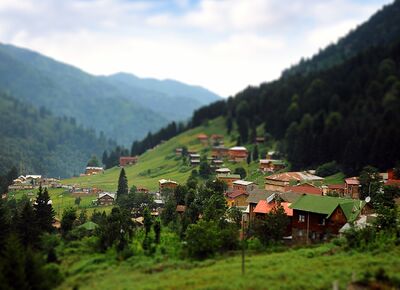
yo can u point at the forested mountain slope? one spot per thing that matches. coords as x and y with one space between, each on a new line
36 142
348 112
381 29
121 110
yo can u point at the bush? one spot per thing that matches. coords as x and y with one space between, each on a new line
203 239
254 244
327 169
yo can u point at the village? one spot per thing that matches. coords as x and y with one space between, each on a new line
317 211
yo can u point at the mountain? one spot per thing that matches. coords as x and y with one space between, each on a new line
347 112
381 29
163 96
36 142
116 105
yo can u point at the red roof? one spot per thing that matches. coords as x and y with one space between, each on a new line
305 188
352 181
393 182
202 136
264 207
234 194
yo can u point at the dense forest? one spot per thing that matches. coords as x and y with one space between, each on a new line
347 112
36 142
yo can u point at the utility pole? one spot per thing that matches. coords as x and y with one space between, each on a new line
243 258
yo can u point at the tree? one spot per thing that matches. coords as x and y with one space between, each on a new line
255 153
215 207
370 182
273 228
248 159
27 226
235 215
241 171
122 185
202 239
205 169
168 215
157 230
78 201
147 221
327 169
93 161
5 226
67 220
44 210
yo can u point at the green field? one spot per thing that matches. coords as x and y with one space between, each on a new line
161 162
307 268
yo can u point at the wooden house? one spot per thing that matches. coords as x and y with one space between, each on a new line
203 139
228 178
223 170
194 162
352 187
305 188
336 189
142 189
106 198
254 197
219 151
279 182
165 184
243 186
127 160
178 152
92 170
217 139
260 140
317 218
237 154
236 198
271 165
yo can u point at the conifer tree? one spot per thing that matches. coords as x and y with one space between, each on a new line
27 226
255 153
44 210
122 185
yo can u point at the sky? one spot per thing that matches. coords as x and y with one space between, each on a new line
223 45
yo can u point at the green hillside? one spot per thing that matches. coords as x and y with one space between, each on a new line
315 268
161 162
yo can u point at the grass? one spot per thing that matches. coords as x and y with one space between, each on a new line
307 268
63 199
161 162
337 178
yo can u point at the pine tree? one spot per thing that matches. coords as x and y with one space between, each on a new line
147 221
248 158
44 211
122 185
157 230
27 226
255 153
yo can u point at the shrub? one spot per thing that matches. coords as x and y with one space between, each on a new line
327 169
203 239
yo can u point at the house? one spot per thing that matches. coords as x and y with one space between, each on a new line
223 170
236 198
336 189
194 162
165 184
243 186
352 187
254 197
217 139
180 209
237 154
216 163
203 138
305 188
106 198
271 165
91 170
142 189
219 151
127 160
228 178
260 140
317 218
264 207
278 182
194 156
178 152
393 182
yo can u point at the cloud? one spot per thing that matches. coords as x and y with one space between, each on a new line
222 45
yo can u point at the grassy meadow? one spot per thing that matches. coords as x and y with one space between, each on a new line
306 268
161 162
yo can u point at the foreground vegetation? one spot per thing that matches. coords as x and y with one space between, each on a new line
308 268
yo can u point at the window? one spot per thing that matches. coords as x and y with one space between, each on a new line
300 233
302 218
321 221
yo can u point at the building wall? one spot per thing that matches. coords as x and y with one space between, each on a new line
318 229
